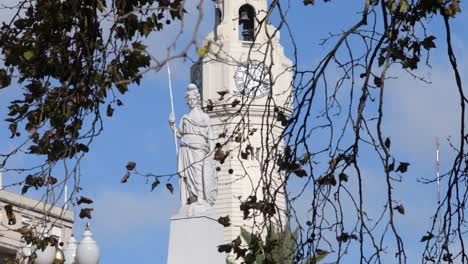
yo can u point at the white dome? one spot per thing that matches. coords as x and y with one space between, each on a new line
45 257
88 250
24 251
70 250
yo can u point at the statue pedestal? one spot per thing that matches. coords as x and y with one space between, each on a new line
195 239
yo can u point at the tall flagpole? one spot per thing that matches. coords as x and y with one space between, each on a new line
65 195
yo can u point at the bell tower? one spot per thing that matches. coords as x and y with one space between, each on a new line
245 82
239 16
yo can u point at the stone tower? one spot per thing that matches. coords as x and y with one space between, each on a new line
245 83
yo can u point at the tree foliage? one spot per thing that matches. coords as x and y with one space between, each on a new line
72 60
71 57
279 246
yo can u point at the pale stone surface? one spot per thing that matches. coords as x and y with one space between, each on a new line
29 212
230 72
195 240
224 70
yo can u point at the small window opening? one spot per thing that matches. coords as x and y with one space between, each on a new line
247 22
26 221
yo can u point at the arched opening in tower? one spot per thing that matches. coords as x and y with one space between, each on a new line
247 23
218 20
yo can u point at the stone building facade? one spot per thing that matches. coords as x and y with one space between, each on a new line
30 213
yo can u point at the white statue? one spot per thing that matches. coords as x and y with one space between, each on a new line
195 162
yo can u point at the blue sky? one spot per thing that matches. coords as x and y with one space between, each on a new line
131 224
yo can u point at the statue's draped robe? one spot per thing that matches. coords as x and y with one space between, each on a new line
195 162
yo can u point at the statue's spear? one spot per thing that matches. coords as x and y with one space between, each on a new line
172 104
181 182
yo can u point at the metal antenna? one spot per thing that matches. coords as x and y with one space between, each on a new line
438 171
438 185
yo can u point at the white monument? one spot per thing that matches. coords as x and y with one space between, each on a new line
195 232
195 163
245 65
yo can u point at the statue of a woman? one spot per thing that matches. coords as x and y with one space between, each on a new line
195 159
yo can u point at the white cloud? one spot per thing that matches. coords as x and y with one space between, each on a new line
120 214
420 112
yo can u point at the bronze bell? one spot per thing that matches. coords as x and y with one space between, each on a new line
59 256
247 34
244 17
